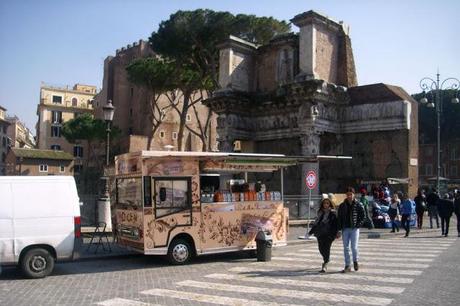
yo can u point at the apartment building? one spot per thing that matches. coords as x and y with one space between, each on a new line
4 142
21 161
19 135
59 104
450 163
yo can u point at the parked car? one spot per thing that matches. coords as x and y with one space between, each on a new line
39 222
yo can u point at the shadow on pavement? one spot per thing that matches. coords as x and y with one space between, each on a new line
123 263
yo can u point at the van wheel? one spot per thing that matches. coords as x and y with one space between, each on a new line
179 252
37 263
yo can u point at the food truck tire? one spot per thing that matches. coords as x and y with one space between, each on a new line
179 252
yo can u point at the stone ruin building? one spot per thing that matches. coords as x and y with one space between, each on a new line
298 95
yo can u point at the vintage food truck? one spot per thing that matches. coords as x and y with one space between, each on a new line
182 204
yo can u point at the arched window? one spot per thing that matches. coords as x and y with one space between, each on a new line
74 101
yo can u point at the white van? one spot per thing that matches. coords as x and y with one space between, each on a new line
39 222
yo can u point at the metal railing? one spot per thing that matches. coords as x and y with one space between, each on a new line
301 207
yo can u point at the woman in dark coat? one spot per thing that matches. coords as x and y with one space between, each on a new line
445 209
325 230
420 207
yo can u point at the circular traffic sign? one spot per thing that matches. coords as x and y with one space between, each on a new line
311 179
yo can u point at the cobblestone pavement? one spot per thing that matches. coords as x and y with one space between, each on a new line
422 269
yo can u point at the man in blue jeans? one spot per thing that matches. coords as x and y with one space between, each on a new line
350 218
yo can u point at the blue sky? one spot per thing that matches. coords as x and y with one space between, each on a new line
65 42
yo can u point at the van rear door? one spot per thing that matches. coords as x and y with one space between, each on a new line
6 223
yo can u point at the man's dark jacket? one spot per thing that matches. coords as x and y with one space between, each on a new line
445 208
350 215
432 199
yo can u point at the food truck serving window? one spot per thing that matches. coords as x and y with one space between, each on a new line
129 191
171 195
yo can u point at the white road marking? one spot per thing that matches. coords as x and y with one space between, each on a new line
301 265
205 298
412 242
367 263
370 260
376 253
305 283
398 244
340 276
330 297
124 302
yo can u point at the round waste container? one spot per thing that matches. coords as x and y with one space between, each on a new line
264 243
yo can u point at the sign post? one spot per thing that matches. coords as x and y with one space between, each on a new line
311 180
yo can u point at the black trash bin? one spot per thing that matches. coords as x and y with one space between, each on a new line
264 243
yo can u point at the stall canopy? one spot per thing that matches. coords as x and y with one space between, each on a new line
212 161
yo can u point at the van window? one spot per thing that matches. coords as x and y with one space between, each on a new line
129 191
171 196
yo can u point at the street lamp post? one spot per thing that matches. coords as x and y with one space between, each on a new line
104 213
108 110
428 84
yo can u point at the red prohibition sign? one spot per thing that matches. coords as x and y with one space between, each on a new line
311 179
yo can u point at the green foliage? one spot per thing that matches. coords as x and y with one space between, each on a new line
85 127
153 72
191 37
259 30
450 123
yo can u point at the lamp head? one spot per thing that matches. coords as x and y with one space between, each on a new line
455 100
108 110
430 105
424 100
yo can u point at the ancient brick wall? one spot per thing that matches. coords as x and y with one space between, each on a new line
326 52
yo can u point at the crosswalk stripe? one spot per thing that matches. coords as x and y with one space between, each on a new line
301 265
346 276
374 259
375 249
330 297
205 298
371 262
399 243
434 243
376 253
381 262
396 247
304 283
123 302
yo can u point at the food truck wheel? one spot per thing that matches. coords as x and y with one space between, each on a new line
179 252
37 263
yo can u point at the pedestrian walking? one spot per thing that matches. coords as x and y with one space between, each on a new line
407 210
432 203
420 207
445 208
394 212
350 218
325 230
365 202
457 209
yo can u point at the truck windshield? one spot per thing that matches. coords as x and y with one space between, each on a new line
129 191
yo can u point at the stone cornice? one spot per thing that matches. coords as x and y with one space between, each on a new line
312 17
238 44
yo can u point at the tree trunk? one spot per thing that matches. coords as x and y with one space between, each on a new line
182 120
